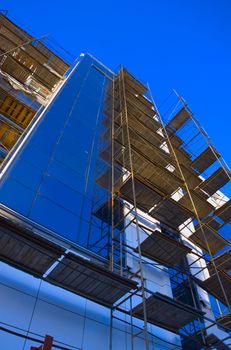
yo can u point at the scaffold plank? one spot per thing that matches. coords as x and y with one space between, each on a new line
20 247
133 82
223 261
138 123
29 62
225 320
216 181
147 144
105 180
202 206
205 233
155 173
183 157
13 68
205 159
178 120
162 248
157 176
146 198
212 222
171 213
104 213
215 343
135 105
151 153
131 90
212 285
175 140
166 312
191 178
36 48
146 127
148 165
91 280
145 149
224 212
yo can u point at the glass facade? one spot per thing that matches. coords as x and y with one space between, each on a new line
53 170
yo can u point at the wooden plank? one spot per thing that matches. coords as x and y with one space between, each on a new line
192 179
134 103
203 207
215 343
216 181
166 312
13 68
164 209
223 261
215 241
104 213
213 286
225 320
145 164
133 82
15 109
224 212
146 198
182 156
37 49
90 280
20 247
163 249
178 120
171 213
212 222
145 125
205 159
105 179
157 176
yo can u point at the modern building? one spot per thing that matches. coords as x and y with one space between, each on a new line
113 223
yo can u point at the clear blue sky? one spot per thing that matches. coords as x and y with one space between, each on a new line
185 44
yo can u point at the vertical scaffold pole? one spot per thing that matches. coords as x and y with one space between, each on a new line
123 98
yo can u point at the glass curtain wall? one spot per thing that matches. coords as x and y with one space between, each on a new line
50 177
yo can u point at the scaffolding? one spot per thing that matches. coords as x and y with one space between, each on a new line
30 72
159 169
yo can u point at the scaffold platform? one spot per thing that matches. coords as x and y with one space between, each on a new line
21 248
223 261
215 343
91 280
205 159
212 285
224 212
208 238
225 320
178 120
215 182
166 312
163 249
